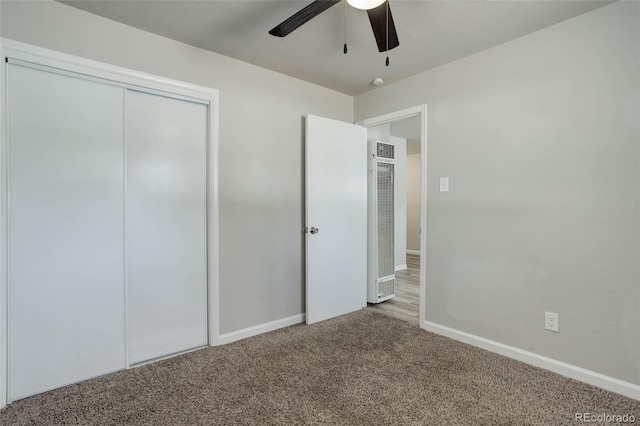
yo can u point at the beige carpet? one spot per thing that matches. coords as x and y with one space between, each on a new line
360 369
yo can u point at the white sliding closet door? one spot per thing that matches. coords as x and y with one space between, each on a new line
66 267
165 217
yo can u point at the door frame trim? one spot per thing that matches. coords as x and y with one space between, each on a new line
416 111
122 77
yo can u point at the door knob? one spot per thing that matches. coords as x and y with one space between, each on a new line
314 230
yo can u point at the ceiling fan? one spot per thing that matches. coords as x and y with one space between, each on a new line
379 13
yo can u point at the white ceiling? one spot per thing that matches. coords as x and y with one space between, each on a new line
431 33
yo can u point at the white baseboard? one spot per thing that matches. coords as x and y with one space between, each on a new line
414 252
259 329
400 267
568 370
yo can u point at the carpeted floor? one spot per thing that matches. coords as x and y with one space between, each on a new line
363 368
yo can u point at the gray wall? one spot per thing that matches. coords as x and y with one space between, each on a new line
413 201
540 139
400 201
261 140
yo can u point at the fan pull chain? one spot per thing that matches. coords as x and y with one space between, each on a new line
387 61
345 50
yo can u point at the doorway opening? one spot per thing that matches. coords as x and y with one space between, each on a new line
406 131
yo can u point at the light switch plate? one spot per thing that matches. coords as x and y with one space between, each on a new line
444 184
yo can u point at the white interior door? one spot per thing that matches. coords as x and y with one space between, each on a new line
66 268
336 201
165 219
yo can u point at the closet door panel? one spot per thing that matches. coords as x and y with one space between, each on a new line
165 225
66 263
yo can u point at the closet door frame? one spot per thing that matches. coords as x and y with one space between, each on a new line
36 57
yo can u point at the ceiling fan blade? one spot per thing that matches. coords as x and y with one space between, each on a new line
378 19
303 16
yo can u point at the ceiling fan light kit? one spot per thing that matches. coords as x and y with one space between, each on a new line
365 4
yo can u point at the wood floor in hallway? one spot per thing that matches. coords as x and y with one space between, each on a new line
406 304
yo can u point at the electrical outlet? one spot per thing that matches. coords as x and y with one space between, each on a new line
551 322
